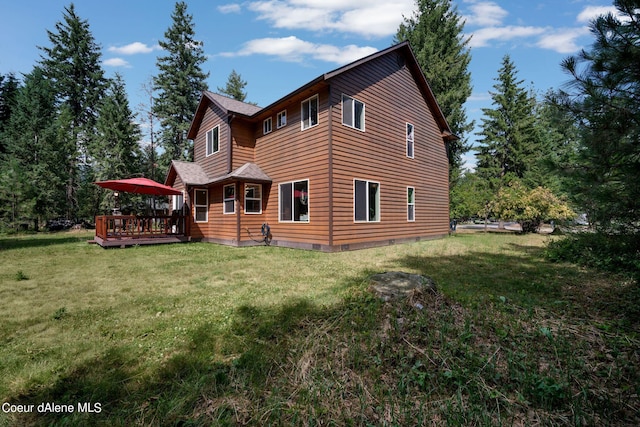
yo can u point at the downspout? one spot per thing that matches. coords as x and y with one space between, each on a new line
330 169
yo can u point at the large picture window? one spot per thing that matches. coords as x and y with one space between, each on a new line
229 199
213 141
366 201
352 112
201 204
294 201
252 198
309 112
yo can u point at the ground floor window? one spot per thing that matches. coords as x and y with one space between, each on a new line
177 202
201 204
229 199
294 201
252 198
366 201
411 204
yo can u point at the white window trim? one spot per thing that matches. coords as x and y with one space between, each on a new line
302 127
379 201
279 122
411 204
252 198
353 113
411 139
207 141
196 206
267 126
225 200
293 183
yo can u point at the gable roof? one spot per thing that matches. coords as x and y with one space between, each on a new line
250 111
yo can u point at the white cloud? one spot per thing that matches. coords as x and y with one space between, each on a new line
133 49
590 13
293 49
483 36
485 14
229 8
563 40
116 62
373 18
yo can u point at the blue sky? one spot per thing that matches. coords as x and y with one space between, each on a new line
279 45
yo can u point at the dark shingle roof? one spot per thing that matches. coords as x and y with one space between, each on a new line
233 105
190 173
246 172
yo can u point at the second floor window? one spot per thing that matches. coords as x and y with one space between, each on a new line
352 112
267 126
410 140
309 112
281 119
213 141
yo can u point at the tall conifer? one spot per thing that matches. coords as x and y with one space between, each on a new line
435 33
179 83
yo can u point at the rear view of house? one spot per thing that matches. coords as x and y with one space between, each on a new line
355 158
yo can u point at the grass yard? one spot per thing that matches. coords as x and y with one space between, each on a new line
200 334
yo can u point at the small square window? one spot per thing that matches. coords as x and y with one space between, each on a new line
252 199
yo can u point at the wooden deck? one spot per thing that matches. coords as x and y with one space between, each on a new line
131 230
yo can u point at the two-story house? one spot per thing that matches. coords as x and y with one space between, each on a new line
355 158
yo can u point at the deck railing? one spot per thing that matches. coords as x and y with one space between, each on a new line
134 226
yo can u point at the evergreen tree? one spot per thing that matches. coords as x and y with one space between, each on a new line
435 33
180 83
34 150
73 65
235 87
605 104
116 151
508 136
8 90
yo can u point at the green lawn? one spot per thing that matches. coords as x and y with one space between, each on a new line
200 334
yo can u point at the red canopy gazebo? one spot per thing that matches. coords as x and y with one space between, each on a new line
128 230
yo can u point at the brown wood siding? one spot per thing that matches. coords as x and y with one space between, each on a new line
215 164
243 142
291 154
391 99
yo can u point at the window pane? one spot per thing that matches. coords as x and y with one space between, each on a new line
229 206
286 213
229 192
301 201
252 206
359 115
201 214
347 110
201 197
409 132
410 195
373 201
314 111
410 213
361 200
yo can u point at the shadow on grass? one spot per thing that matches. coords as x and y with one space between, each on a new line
41 240
524 277
242 373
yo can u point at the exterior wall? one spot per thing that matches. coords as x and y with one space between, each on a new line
217 163
291 154
243 143
391 98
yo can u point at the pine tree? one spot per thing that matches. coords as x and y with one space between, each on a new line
605 104
435 33
73 65
508 136
180 83
234 87
8 90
